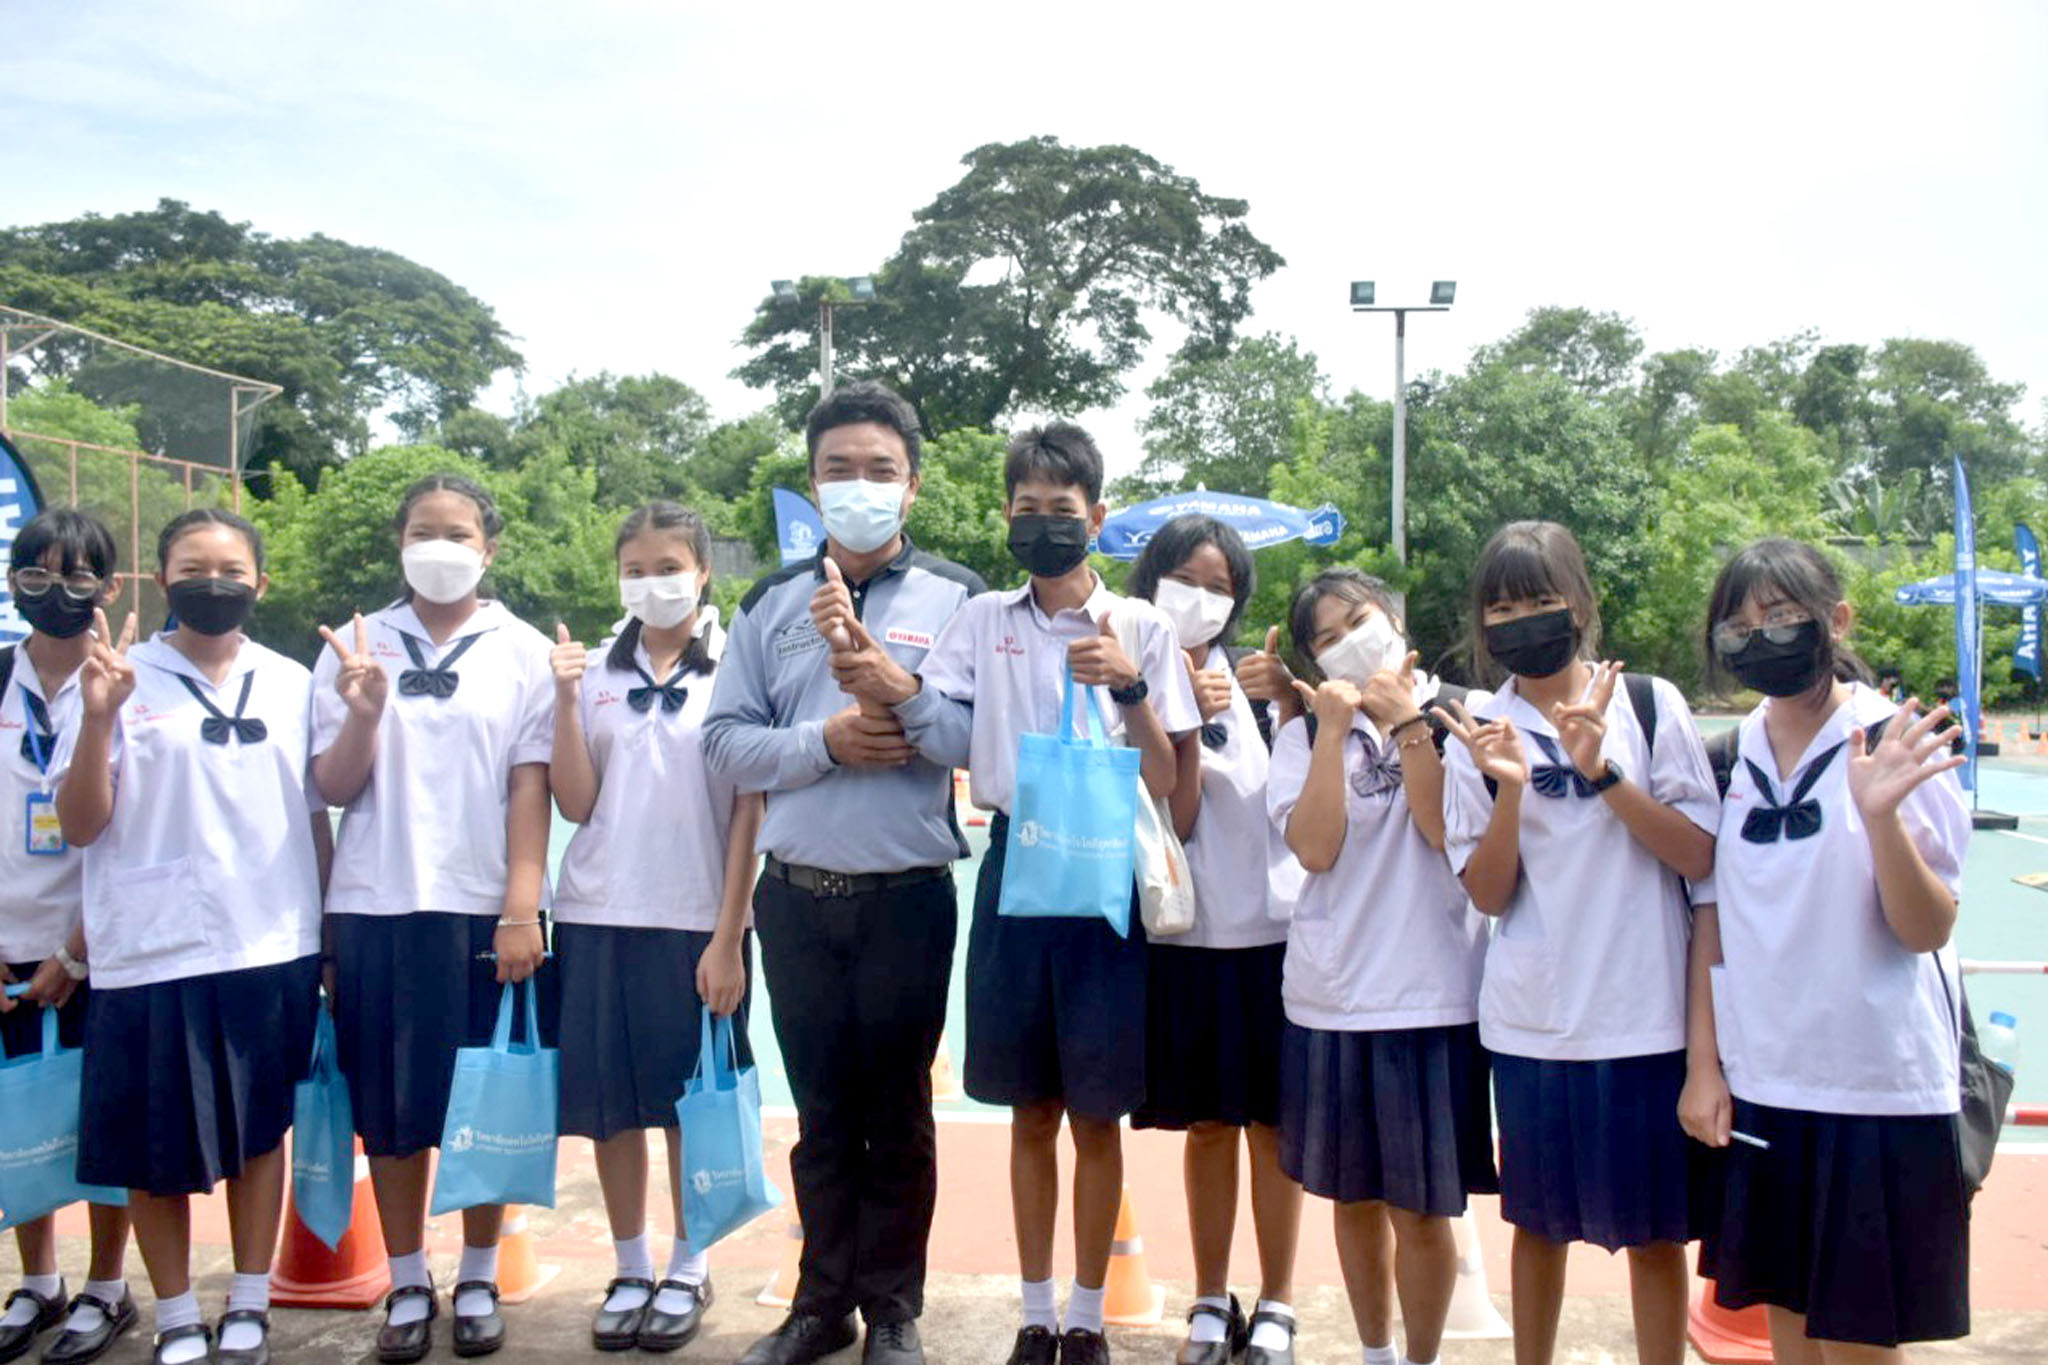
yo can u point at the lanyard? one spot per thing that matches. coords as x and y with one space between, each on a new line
37 731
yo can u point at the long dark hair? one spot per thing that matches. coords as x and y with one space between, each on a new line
487 513
1343 582
1802 576
1528 559
1170 547
661 515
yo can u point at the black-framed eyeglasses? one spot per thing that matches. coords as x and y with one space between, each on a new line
35 581
1732 637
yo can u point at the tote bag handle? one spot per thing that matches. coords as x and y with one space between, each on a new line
712 1031
501 1036
1092 736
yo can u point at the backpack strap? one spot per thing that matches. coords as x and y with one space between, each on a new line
1262 712
1721 751
1642 695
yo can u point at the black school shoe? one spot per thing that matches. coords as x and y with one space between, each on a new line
15 1341
79 1348
1035 1346
672 1331
893 1343
1215 1352
190 1329
403 1345
259 1354
619 1329
1079 1346
802 1338
482 1333
1262 1355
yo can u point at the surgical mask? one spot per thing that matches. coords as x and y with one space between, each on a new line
1372 646
211 606
1534 646
1197 614
663 602
441 570
1048 546
1788 670
861 514
56 613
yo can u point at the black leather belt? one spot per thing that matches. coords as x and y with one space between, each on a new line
819 882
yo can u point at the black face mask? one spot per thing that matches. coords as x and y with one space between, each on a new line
1534 646
1787 670
1048 546
211 606
56 612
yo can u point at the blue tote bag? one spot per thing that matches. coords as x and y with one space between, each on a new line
39 1131
498 1141
1072 821
323 1143
724 1186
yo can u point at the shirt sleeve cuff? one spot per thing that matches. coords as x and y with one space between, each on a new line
813 732
532 753
920 708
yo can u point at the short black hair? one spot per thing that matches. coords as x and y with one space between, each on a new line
1802 576
1058 452
663 515
1170 547
1344 582
81 540
1526 559
864 401
186 522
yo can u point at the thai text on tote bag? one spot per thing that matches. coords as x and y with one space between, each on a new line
1072 820
724 1185
498 1141
39 1130
323 1142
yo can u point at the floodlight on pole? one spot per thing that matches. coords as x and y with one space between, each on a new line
785 290
862 287
1361 293
1440 295
1443 292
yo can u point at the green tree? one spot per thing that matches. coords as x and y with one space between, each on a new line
1224 420
1594 352
635 434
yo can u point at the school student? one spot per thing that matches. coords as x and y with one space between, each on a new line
439 872
1212 1044
1384 1101
1824 1021
60 567
1574 805
651 911
185 781
1056 1012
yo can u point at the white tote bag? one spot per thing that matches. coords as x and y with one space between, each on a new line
1166 888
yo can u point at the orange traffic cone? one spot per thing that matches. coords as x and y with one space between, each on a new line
353 1274
1728 1336
945 1082
520 1273
781 1290
1130 1298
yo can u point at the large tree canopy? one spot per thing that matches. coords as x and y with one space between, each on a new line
1026 285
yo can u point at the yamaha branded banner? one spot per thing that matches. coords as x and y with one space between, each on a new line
20 500
799 530
2026 655
1968 609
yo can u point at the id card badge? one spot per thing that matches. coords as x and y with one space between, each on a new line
45 834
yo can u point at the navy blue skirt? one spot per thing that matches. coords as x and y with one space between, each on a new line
1859 1222
1212 1036
409 991
1593 1151
1399 1115
21 1028
186 1081
630 1024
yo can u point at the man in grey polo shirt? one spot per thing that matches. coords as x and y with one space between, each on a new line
855 910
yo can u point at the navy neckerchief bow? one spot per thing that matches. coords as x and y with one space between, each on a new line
1797 818
1215 734
438 682
1381 770
216 728
672 693
38 737
1557 777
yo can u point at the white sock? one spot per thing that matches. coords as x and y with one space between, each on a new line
686 1267
1039 1309
24 1310
85 1317
635 1262
410 1269
247 1291
1084 1309
1204 1328
182 1311
1381 1355
1274 1336
478 1263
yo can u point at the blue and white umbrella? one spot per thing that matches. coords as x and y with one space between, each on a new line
1995 586
1259 521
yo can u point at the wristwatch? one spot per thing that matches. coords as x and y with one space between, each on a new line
73 968
1612 777
1132 695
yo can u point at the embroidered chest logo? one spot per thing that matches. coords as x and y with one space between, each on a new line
796 638
1009 644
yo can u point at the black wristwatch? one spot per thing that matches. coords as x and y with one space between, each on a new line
1612 777
1132 695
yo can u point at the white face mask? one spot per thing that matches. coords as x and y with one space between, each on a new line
1197 614
860 514
1372 647
663 602
440 570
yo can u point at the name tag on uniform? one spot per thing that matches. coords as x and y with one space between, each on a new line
896 635
45 834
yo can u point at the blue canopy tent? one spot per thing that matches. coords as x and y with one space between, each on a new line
1261 522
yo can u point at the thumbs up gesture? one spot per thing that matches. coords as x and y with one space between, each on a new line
1265 677
568 659
832 608
1099 660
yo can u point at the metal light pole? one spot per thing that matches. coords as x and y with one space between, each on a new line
1441 294
862 287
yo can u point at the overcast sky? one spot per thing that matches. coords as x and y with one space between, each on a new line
620 180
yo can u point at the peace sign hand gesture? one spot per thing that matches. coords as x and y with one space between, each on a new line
1906 755
1495 745
361 683
108 679
1582 725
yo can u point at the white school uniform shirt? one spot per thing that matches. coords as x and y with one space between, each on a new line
1386 939
1588 961
39 893
427 832
1244 886
1817 1005
652 853
1005 655
208 863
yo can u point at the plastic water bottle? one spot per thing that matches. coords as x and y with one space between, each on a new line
1999 1041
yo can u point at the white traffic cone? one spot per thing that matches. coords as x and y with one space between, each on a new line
1473 1316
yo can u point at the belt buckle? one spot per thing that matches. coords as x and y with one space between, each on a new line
835 885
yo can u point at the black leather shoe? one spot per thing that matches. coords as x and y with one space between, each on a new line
483 1333
403 1345
617 1330
1079 1346
1215 1352
1262 1355
893 1343
672 1331
15 1341
1035 1346
802 1338
190 1329
79 1348
259 1354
